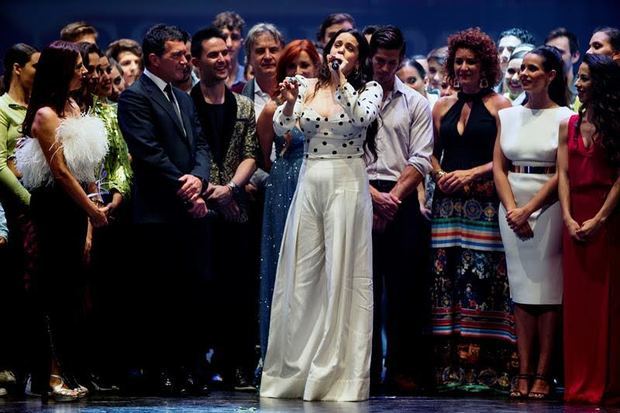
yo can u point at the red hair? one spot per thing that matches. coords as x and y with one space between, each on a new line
292 52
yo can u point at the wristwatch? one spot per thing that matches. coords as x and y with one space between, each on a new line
437 174
235 189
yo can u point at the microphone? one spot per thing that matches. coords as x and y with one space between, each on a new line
336 64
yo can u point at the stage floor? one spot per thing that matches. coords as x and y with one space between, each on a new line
249 403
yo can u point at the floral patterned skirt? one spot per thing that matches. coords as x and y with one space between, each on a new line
472 321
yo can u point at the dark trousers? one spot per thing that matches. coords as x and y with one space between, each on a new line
167 286
107 328
12 295
235 297
400 258
58 283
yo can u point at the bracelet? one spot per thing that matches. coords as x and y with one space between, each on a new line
437 174
95 197
234 188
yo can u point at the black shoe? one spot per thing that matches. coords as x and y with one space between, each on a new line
186 384
241 382
97 385
202 390
166 385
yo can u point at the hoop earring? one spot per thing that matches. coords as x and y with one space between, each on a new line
456 84
484 83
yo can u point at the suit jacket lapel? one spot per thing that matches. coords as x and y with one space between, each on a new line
158 96
187 122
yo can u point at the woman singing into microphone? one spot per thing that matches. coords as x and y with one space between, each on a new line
321 318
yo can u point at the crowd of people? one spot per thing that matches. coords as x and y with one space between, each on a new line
325 220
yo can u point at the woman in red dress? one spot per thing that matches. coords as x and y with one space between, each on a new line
589 190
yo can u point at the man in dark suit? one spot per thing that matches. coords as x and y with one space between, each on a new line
171 165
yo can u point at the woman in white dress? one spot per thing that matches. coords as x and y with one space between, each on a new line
321 318
530 214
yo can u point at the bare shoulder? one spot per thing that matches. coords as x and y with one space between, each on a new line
496 102
46 120
563 130
443 105
270 106
268 111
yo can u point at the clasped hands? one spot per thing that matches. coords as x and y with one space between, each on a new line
584 231
222 196
450 182
385 206
517 221
190 191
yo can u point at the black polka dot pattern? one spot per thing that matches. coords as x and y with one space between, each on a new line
340 134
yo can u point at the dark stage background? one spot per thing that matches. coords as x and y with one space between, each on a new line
426 23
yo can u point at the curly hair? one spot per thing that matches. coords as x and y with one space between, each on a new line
229 20
482 46
603 104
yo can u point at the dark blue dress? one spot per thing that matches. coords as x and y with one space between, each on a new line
278 196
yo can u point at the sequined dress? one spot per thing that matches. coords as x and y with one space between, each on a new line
279 193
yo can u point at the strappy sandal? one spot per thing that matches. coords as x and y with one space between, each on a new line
515 393
535 395
81 391
60 392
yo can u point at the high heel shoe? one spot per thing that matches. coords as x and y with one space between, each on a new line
81 391
515 393
539 395
60 392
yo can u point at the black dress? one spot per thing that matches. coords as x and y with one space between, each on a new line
471 309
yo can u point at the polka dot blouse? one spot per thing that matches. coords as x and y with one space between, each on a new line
342 134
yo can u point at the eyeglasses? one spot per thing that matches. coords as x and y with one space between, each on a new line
117 80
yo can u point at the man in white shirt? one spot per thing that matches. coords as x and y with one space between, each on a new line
404 146
262 48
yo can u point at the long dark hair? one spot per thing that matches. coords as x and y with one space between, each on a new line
603 104
357 79
552 60
55 70
84 95
19 53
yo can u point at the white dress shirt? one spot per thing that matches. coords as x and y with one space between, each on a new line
405 135
260 99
